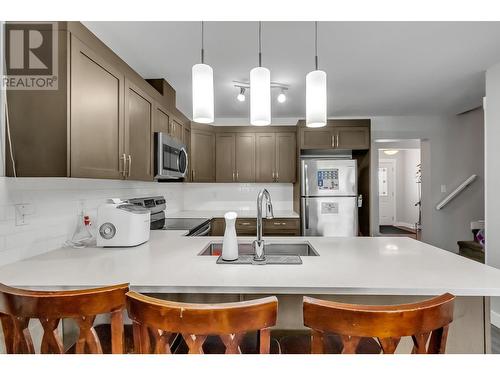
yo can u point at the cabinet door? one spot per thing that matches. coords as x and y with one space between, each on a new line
265 157
352 137
225 166
286 157
281 227
97 128
202 156
138 133
176 130
245 157
311 138
161 121
218 226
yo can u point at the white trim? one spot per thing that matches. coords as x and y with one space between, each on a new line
495 318
394 166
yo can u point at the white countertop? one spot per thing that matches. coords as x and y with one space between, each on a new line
282 214
169 263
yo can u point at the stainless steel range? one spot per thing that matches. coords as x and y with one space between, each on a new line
157 206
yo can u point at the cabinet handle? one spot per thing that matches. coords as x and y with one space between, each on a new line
333 140
277 177
124 170
273 177
237 175
337 141
129 165
245 223
233 176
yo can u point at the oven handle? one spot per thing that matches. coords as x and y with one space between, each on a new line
202 232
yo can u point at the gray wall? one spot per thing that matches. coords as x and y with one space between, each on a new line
492 186
452 150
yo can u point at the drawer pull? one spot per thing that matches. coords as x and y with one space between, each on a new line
245 223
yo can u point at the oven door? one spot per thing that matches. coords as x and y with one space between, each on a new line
171 161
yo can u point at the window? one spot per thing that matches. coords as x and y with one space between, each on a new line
382 182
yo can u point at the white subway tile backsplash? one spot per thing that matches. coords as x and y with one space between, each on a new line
57 201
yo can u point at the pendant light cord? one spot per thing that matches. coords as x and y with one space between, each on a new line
260 43
316 44
202 44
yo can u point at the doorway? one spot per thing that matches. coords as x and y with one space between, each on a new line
399 189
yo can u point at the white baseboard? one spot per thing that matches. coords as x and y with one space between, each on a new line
495 318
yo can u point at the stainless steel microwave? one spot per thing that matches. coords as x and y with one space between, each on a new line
171 159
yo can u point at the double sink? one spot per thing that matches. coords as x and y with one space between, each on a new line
276 252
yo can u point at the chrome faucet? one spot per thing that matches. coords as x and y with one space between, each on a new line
258 244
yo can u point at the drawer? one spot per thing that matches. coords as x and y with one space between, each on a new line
246 227
273 225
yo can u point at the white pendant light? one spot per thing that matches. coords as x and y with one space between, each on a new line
260 91
316 101
203 89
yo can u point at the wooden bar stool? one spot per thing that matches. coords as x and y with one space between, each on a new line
155 321
18 307
426 322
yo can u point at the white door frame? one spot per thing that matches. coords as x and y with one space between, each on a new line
393 183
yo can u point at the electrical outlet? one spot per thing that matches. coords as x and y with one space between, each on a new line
22 211
443 188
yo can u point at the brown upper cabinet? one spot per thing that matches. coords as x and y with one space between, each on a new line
162 120
338 134
97 123
202 154
235 157
225 160
176 130
138 133
265 157
245 157
276 157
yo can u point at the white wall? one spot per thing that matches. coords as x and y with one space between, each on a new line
218 196
55 203
406 187
452 150
492 183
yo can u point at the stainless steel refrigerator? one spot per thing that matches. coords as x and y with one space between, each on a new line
328 199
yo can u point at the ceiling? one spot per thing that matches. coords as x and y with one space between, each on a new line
374 68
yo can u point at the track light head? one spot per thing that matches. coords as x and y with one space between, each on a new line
241 96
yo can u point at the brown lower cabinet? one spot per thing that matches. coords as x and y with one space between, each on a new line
248 227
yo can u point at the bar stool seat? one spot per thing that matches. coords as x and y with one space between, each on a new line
18 307
425 322
155 322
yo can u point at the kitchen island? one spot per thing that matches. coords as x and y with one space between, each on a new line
360 269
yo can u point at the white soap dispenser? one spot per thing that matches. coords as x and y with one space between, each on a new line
230 243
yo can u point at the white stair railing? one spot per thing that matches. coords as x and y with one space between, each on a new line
455 192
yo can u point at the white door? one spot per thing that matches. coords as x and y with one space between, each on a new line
386 192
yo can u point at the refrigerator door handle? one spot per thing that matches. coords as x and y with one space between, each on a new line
306 213
306 181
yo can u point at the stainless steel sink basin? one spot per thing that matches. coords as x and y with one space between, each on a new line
276 253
